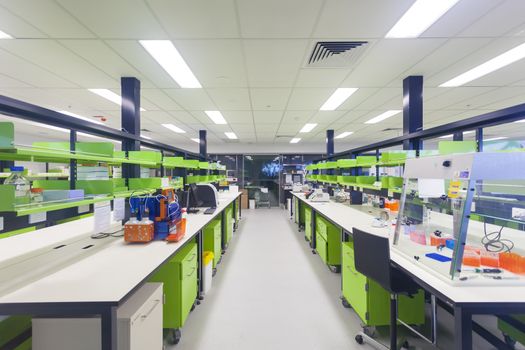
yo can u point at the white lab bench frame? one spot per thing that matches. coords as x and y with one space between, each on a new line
99 283
465 301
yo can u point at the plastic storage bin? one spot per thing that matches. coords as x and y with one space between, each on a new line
207 271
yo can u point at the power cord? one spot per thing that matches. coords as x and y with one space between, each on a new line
494 243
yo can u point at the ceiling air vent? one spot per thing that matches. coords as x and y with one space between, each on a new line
333 54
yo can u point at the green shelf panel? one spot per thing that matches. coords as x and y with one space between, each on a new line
365 180
145 183
7 135
311 167
346 163
331 165
452 147
98 149
321 166
145 158
344 180
366 161
39 208
96 186
51 184
126 194
204 165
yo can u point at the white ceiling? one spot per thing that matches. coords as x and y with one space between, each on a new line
250 58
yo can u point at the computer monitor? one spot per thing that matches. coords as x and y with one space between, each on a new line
193 199
297 179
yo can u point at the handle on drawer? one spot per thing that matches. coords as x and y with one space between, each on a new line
155 303
351 270
192 271
193 255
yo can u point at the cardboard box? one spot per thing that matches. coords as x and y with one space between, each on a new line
244 199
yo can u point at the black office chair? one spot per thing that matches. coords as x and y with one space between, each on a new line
372 259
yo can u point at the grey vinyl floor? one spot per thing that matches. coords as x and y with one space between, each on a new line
271 292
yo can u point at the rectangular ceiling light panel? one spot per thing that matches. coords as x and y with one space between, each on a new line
230 135
174 128
344 134
338 97
110 96
383 116
419 17
169 58
490 66
295 140
71 114
216 117
308 127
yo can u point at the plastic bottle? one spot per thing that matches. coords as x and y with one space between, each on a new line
21 184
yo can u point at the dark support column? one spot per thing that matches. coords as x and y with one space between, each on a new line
72 162
130 109
6 164
412 109
462 329
458 136
203 144
329 142
479 139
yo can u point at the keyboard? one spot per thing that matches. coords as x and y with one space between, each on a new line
210 211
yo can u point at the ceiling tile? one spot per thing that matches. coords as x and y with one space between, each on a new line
224 69
230 98
359 19
48 17
326 116
9 82
268 117
273 63
238 116
454 96
53 57
297 117
321 77
116 19
196 18
303 99
269 98
17 27
293 19
161 99
192 99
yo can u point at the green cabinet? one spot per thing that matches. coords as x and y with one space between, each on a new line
370 301
179 276
307 215
213 239
328 241
228 223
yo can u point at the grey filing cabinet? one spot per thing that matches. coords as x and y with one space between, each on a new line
139 326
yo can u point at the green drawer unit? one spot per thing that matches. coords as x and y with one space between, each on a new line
370 301
307 214
179 276
213 240
227 223
511 333
328 241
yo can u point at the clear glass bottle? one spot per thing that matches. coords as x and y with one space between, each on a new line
21 184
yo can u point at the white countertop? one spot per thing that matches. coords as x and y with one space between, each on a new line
347 217
106 276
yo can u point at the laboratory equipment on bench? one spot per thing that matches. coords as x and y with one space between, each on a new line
319 196
153 217
463 211
210 211
208 195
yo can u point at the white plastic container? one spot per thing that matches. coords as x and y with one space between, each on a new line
252 204
207 271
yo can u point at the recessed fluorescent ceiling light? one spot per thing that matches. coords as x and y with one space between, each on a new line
490 66
216 117
308 127
230 135
96 137
419 17
110 95
451 135
196 140
170 59
295 140
338 97
174 128
344 134
496 138
383 116
520 121
4 35
145 137
71 114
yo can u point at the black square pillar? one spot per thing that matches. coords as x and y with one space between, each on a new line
412 109
130 121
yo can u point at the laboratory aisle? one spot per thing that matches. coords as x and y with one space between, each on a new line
270 293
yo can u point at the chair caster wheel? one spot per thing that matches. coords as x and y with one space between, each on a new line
359 339
172 336
405 345
345 303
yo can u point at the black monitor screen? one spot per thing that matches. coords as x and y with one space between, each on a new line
194 197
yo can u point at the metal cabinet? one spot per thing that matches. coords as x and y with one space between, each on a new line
212 240
370 301
179 276
139 324
328 241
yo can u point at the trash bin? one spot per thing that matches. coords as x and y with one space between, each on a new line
252 203
207 270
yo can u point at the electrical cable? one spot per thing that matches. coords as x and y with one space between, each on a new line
494 243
